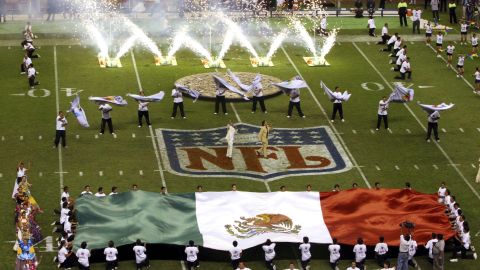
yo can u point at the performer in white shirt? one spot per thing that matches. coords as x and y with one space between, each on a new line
86 191
463 32
429 246
433 126
360 250
269 249
460 63
381 249
31 75
337 106
30 50
111 256
382 113
474 41
106 118
305 252
416 17
141 258
230 137
323 25
177 103
295 102
258 97
235 255
220 99
60 132
439 43
405 69
83 255
143 111
371 26
25 64
100 193
477 80
241 266
450 49
428 33
412 249
192 255
334 250
442 192
385 35
391 42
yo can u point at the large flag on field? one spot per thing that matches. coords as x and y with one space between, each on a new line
115 100
440 107
78 111
288 86
193 93
332 96
152 98
215 219
221 83
401 94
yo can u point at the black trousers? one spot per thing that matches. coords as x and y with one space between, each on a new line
403 19
389 47
305 264
23 68
453 15
81 267
191 265
142 114
260 100
144 263
109 123
379 122
69 262
380 258
235 264
270 264
385 38
361 264
111 265
178 105
31 54
443 5
337 107
434 127
435 15
220 100
402 75
427 3
416 25
60 134
31 81
297 106
333 265
371 32
459 247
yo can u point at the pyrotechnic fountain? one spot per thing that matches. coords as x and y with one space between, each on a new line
315 59
266 61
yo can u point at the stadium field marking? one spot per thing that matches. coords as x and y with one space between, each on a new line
420 123
21 138
411 42
452 68
354 131
1 175
100 173
372 131
39 137
444 130
390 131
397 168
95 136
120 172
342 142
133 135
3 138
416 167
235 112
461 130
378 168
478 129
80 173
435 167
368 43
77 136
57 106
408 131
40 174
473 165
150 129
140 172
339 44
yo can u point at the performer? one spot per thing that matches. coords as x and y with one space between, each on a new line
31 74
460 63
269 249
25 64
405 69
323 25
371 26
450 49
439 43
230 137
306 255
258 97
463 32
30 50
428 33
474 45
385 35
295 102
106 118
220 99
433 125
143 111
141 258
178 103
60 131
477 81
235 255
416 17
263 138
337 105
334 249
390 43
192 255
383 113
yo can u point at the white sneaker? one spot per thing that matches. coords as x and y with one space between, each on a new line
304 116
453 260
392 68
376 129
226 113
332 121
343 120
438 56
139 126
472 248
288 116
458 76
475 256
428 140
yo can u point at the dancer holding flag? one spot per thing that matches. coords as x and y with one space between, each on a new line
106 118
337 98
143 111
177 103
433 117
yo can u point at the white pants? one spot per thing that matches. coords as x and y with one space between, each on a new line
230 149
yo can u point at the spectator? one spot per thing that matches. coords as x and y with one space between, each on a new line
402 261
462 243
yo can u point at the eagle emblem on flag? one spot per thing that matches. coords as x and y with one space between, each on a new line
262 223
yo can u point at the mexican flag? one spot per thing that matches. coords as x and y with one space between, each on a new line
215 219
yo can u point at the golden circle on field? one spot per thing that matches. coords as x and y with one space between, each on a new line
204 83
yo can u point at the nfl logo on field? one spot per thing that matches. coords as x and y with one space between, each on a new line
292 152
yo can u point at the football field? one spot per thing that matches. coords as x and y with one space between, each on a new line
139 156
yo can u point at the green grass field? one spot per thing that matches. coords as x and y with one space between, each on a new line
389 158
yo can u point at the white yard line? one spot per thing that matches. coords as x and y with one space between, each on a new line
450 161
152 135
57 106
235 112
452 68
347 150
